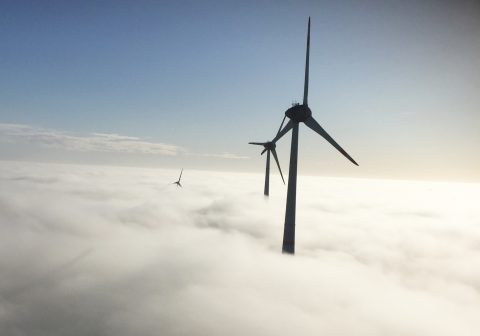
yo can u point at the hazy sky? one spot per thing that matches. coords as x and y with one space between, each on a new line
189 83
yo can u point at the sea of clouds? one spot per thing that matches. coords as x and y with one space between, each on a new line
91 250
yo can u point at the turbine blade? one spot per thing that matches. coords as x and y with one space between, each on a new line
313 124
280 134
274 152
256 143
307 61
180 175
263 151
280 128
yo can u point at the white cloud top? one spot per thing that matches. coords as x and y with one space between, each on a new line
90 250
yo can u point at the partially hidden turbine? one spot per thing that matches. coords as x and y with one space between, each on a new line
270 146
297 114
179 178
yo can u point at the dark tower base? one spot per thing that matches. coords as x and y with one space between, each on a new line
289 228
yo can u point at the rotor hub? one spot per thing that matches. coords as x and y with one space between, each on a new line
298 113
269 145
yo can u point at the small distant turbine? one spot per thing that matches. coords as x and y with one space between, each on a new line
270 146
179 178
297 114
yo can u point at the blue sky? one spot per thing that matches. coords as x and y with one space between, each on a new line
396 85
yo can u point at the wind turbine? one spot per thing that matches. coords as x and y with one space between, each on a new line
179 178
270 146
297 114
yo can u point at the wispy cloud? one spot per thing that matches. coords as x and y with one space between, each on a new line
95 142
225 155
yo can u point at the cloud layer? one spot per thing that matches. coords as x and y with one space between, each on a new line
95 142
90 250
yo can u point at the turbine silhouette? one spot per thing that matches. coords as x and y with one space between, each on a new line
270 146
297 114
179 178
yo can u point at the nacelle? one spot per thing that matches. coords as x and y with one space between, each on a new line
298 113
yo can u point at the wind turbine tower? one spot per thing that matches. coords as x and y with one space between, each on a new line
297 114
270 146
